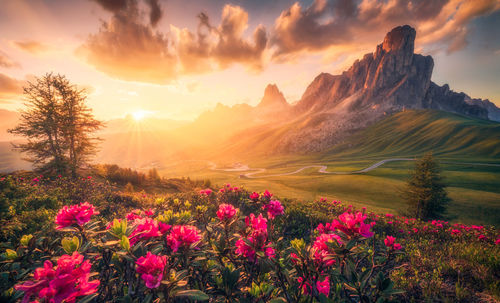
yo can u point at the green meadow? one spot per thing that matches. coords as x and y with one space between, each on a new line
468 151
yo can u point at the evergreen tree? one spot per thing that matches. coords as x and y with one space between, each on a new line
425 191
57 125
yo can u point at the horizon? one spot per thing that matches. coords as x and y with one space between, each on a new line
283 43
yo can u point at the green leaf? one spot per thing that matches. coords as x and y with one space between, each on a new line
193 294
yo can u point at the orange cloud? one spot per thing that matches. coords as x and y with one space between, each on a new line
129 49
31 46
223 45
6 62
9 88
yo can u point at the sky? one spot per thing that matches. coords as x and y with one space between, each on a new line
177 58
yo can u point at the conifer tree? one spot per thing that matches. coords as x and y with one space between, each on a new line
425 191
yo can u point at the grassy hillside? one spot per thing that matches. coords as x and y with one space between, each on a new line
415 132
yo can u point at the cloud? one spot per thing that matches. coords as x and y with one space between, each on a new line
31 46
6 62
128 48
9 88
223 45
328 23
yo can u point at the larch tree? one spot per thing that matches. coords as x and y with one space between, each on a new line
58 126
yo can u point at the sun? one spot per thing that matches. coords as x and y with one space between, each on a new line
140 114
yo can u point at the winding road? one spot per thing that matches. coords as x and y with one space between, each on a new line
252 172
321 169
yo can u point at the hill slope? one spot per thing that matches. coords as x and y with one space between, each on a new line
415 132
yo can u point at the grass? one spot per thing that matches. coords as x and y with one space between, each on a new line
456 141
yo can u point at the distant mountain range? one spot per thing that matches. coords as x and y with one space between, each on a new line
334 115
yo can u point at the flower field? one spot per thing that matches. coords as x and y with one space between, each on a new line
228 244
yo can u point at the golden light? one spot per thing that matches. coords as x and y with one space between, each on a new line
140 114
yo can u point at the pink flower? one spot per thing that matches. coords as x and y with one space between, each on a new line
324 287
455 231
390 242
254 196
75 214
206 192
134 214
353 225
66 283
226 212
182 236
322 253
256 240
149 212
294 258
267 194
146 228
497 242
151 268
274 208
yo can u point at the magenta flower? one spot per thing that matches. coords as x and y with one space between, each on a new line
353 225
206 192
322 287
322 253
226 212
146 228
66 283
257 238
134 214
151 268
389 241
254 196
267 194
274 208
182 236
75 214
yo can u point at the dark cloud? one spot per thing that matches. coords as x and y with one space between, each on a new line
326 23
124 6
155 12
32 46
113 5
6 62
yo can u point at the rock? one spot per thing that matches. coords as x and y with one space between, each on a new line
272 97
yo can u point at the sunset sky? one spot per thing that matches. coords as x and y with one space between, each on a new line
177 58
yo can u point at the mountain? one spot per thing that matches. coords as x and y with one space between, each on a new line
333 107
273 99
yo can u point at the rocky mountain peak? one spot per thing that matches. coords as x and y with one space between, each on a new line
272 97
401 38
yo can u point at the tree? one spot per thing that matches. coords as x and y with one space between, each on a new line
425 191
58 125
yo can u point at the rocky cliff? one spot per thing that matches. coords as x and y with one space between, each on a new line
389 80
